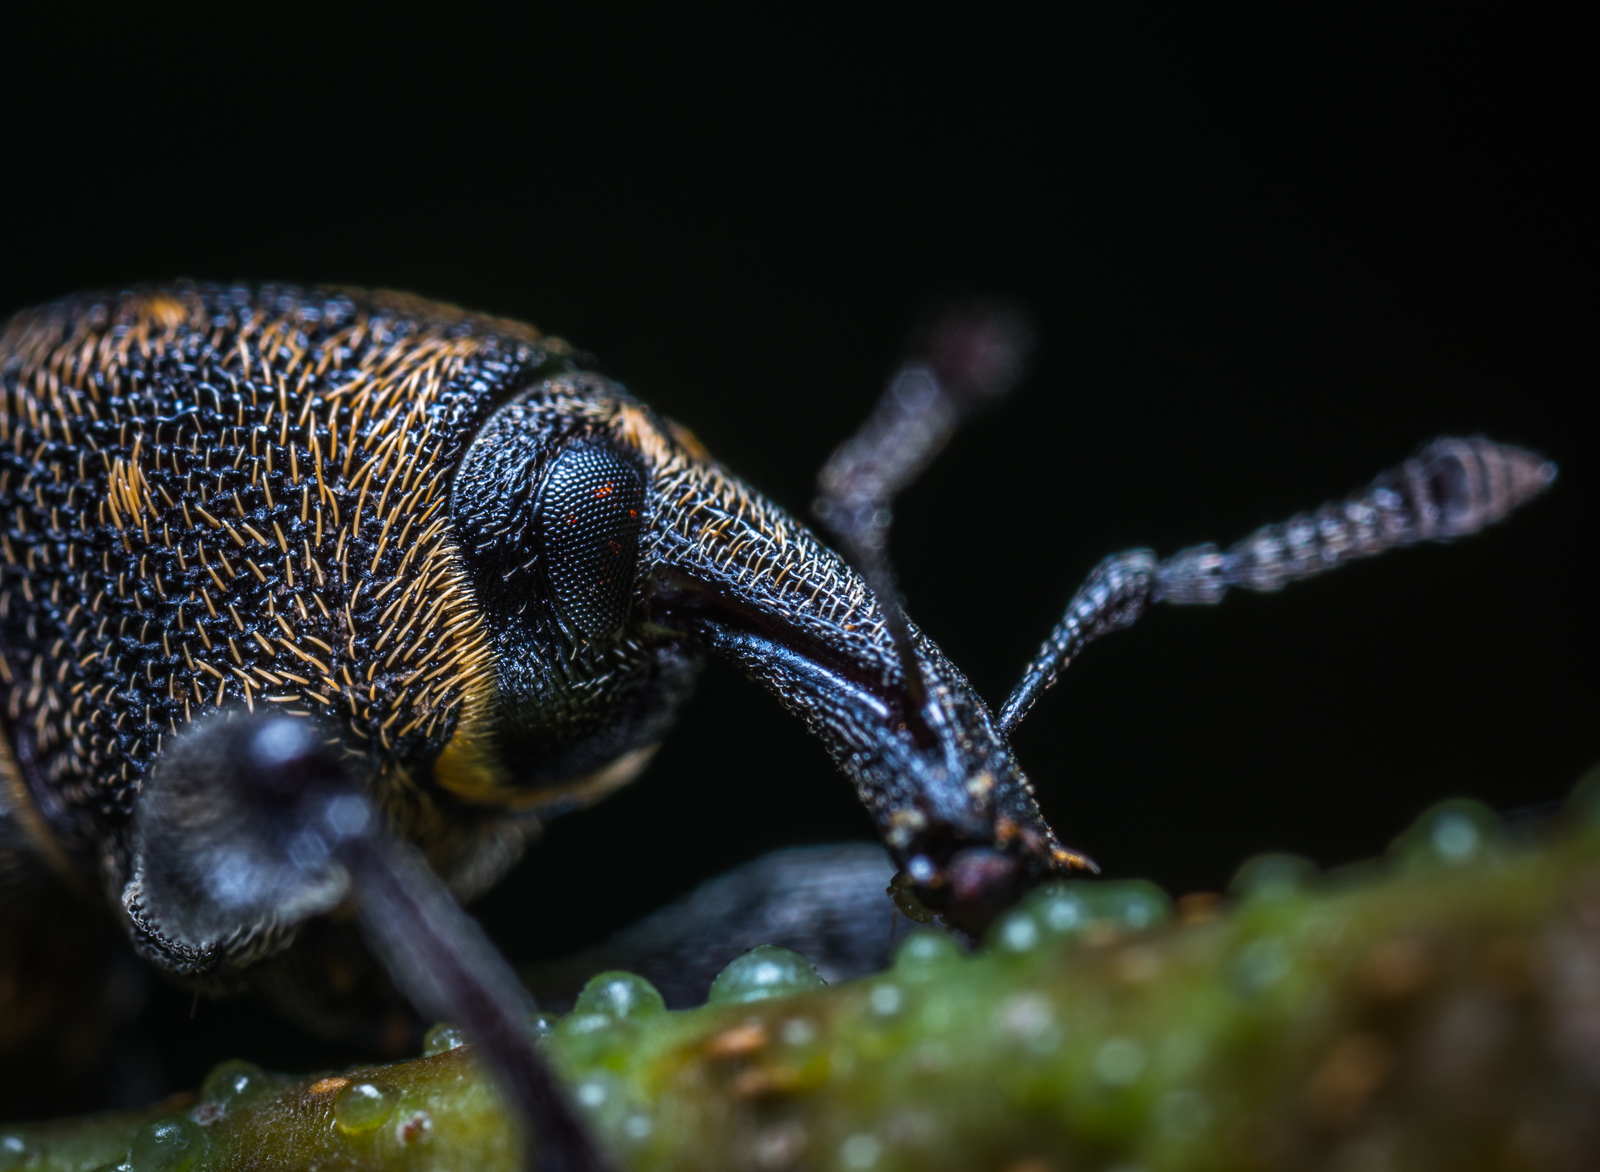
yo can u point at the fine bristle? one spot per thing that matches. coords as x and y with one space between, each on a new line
218 497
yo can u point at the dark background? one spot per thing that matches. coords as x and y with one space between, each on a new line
1264 261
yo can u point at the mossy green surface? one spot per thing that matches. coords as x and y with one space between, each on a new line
1440 1010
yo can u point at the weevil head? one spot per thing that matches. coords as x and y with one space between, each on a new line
611 553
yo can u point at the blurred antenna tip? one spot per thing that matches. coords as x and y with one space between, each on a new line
976 348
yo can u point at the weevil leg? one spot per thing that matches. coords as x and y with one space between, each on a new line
825 902
441 959
252 824
1451 488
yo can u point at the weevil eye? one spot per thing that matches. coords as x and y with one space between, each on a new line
590 509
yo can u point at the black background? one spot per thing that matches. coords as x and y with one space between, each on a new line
1264 261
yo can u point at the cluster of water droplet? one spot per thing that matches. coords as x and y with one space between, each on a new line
1117 1078
1078 909
180 1143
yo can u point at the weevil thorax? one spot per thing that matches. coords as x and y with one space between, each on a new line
222 499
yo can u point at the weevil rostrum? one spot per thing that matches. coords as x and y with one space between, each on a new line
477 579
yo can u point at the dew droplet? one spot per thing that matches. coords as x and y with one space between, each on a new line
1134 904
442 1038
1455 837
18 1151
605 1100
1031 1019
168 1145
925 953
1261 964
1070 908
1061 909
886 1000
578 1025
362 1106
541 1025
1273 878
233 1083
1451 834
1016 933
765 971
621 996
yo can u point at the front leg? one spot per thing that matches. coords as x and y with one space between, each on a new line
1451 488
252 824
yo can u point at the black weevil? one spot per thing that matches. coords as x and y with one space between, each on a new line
303 590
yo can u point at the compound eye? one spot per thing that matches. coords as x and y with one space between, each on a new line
591 507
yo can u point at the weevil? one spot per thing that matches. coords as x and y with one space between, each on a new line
432 570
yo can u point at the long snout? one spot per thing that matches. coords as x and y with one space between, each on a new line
739 577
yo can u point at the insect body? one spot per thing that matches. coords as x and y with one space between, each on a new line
484 577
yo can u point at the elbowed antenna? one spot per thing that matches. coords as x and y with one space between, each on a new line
1451 488
968 357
